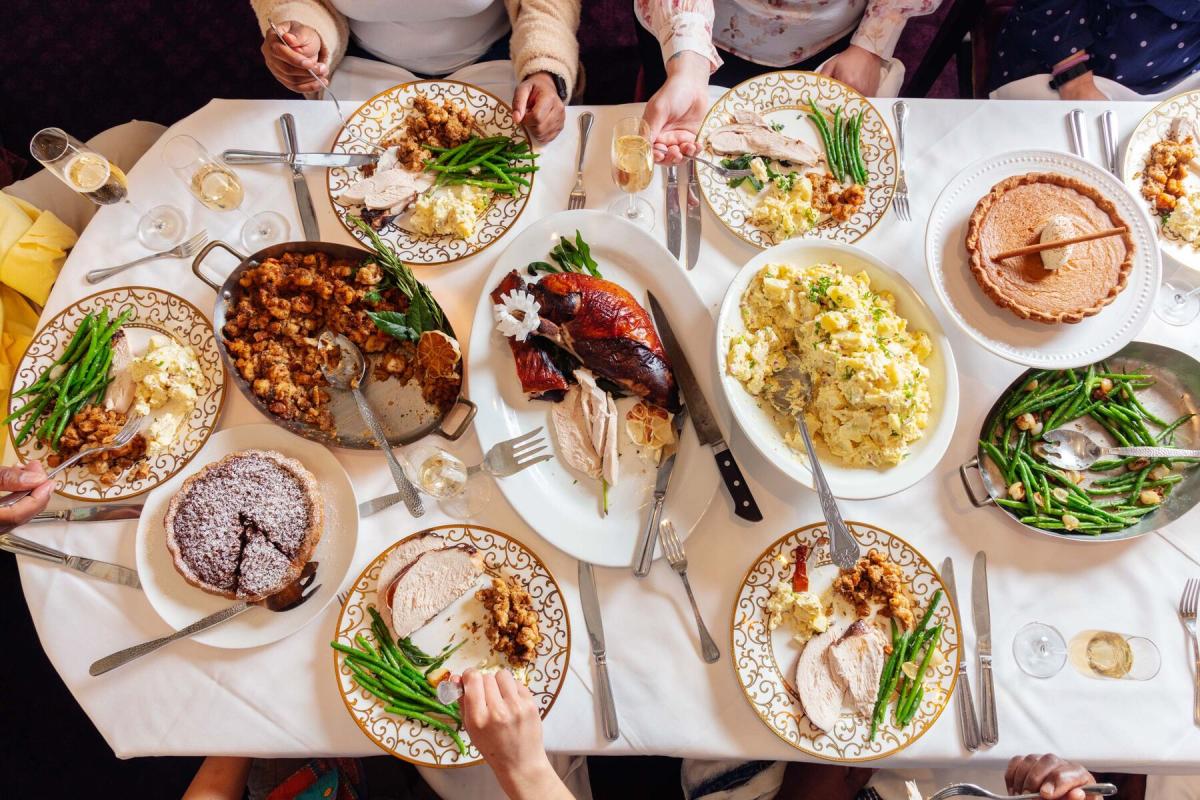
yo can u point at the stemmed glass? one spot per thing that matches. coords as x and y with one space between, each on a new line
95 177
1039 650
461 493
632 169
1176 305
219 188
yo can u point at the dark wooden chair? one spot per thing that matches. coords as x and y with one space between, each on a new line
966 34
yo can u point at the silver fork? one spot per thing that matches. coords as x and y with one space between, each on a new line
185 249
1187 615
900 200
578 197
513 455
678 561
723 171
971 790
123 437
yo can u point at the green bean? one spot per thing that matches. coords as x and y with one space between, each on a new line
431 722
1173 426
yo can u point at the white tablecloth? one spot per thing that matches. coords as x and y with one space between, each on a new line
280 699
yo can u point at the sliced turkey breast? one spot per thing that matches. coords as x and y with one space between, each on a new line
430 583
1181 128
820 693
856 660
401 556
574 434
740 138
119 394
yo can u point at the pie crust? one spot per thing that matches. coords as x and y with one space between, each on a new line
1013 214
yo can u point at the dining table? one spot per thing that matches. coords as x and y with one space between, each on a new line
281 700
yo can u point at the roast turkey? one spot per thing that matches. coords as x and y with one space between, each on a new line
540 377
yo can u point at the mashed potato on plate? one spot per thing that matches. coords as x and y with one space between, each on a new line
870 389
166 380
451 210
1184 221
785 207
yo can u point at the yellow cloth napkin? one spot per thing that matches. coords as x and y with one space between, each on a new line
33 246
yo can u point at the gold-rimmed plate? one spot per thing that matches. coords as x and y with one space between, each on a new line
154 312
1151 129
781 98
764 661
503 557
378 117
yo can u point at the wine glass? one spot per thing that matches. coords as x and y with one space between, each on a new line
219 188
1176 305
1116 656
632 169
461 493
1039 650
101 181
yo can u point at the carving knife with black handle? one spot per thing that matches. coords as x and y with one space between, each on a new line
595 628
304 203
705 425
674 220
967 721
989 727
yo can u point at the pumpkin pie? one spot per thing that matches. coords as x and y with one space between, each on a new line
1089 275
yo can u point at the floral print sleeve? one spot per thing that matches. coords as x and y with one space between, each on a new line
680 25
883 22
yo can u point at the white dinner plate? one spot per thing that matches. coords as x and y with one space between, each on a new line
1151 129
557 502
180 604
1036 344
852 483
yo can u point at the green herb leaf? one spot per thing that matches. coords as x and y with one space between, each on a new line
819 288
395 324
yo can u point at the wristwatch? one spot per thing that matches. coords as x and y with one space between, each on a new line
560 85
1069 74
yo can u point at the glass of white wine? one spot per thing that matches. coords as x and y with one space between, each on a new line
1118 656
461 493
632 169
219 188
103 182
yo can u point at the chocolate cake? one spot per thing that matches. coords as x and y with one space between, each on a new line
245 526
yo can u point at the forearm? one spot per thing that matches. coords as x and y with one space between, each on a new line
330 25
680 26
536 782
219 778
883 21
544 38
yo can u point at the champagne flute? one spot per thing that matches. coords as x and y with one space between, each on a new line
95 177
219 188
632 169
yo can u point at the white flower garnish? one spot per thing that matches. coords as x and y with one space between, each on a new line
517 314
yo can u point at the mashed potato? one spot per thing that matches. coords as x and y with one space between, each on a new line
784 208
1184 222
166 379
803 612
452 210
870 390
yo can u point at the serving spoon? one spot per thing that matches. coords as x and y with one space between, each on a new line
348 373
971 790
1070 449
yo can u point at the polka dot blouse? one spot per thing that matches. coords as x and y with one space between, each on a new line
1146 46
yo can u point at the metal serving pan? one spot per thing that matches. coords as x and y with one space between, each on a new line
1176 392
402 411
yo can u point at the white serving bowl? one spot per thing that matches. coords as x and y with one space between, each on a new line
853 483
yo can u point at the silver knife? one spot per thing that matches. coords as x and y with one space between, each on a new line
92 513
693 215
674 221
113 573
967 721
304 203
644 552
595 629
703 421
368 507
989 729
299 159
1108 137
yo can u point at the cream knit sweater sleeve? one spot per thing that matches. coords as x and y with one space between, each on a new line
543 35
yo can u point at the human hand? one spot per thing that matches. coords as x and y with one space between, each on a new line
536 104
1051 776
22 479
1081 88
676 110
857 67
504 724
290 62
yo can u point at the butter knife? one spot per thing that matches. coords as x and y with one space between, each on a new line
299 159
644 552
92 513
1108 138
989 729
674 221
693 215
368 507
703 422
595 629
967 721
113 573
304 203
